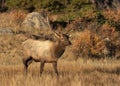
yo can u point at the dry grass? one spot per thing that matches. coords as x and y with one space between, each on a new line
18 16
81 72
71 73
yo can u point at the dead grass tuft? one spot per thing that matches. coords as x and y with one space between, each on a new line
18 16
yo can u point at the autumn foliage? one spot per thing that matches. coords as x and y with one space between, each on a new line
99 44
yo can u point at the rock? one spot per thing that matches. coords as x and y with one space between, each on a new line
36 20
6 31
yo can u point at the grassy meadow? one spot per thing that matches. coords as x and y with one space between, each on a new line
80 72
71 73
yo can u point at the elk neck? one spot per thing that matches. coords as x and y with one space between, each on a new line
59 48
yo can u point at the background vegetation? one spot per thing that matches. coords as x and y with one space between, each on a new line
73 16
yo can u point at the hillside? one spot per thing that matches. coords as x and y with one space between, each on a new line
93 59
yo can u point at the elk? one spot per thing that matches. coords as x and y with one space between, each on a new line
44 51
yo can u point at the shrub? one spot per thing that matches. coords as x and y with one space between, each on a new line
18 16
88 44
21 4
76 25
106 31
31 5
52 5
113 18
101 44
100 18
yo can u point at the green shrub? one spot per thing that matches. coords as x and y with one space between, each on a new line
21 4
78 3
100 18
52 5
114 24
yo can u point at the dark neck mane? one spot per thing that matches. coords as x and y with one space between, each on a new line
60 48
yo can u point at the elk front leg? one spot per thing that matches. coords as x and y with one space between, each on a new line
55 68
41 67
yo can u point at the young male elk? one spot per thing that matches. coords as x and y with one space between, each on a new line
44 51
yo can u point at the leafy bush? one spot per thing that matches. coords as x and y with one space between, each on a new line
53 5
114 24
77 4
101 44
113 18
113 35
100 18
50 5
88 44
77 25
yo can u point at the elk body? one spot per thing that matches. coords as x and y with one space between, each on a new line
44 51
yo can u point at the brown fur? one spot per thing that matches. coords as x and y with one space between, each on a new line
45 51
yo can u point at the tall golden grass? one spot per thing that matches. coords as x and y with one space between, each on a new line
71 73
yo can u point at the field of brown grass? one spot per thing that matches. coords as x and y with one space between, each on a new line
71 73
